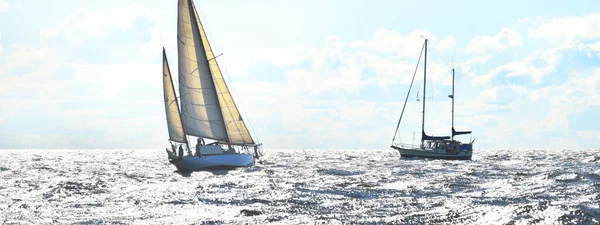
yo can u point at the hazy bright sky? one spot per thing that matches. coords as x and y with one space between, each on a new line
309 74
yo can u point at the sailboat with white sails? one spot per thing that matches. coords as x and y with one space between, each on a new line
437 147
206 109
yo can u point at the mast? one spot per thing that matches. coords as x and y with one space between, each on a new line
454 132
452 96
424 84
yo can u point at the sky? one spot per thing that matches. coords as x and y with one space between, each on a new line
307 74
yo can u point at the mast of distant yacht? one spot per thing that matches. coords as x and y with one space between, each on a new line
424 80
452 96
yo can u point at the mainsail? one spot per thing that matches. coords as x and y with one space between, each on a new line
208 109
171 106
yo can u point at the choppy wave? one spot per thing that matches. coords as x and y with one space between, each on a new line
301 186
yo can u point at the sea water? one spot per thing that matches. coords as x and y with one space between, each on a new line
298 186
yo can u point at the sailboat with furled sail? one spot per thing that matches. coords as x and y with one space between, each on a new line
437 147
206 109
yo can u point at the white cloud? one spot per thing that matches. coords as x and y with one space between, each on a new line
346 78
465 67
389 41
113 80
28 55
390 71
109 133
505 39
448 43
28 73
576 94
32 72
0 53
27 70
153 46
83 24
526 67
292 119
284 57
335 68
571 28
594 47
589 134
537 65
43 78
93 94
332 69
317 105
335 71
4 6
488 95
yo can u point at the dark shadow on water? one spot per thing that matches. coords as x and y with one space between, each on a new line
413 158
183 173
218 172
595 178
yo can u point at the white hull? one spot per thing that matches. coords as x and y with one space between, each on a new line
208 162
432 154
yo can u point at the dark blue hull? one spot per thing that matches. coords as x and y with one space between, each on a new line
447 157
415 152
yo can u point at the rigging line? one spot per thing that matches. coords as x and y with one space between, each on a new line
430 83
431 86
433 49
408 94
216 42
440 55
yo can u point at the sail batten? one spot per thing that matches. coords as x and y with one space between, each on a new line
208 109
174 124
